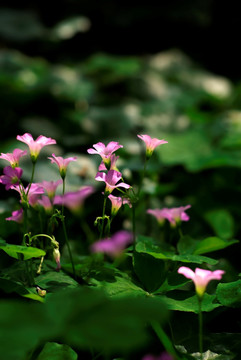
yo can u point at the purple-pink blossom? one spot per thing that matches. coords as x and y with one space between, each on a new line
35 145
14 157
151 144
74 200
62 163
105 151
173 215
46 203
115 245
11 176
200 277
17 216
34 193
111 180
113 160
117 202
50 187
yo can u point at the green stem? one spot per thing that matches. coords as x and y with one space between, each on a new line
68 246
142 177
32 176
166 342
134 224
65 234
200 321
103 218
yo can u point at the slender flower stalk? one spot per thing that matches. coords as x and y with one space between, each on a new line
166 342
201 278
65 234
103 217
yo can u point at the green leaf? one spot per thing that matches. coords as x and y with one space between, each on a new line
119 285
82 317
53 281
229 294
190 304
27 252
213 244
172 282
150 271
56 351
34 297
222 222
147 246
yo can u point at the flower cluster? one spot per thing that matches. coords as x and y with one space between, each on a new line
39 195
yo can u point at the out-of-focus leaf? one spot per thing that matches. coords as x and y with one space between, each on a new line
20 25
222 222
188 245
55 351
81 317
212 244
69 27
146 245
229 294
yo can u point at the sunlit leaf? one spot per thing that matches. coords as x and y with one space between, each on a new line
28 252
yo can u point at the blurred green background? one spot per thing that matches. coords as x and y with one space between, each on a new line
89 71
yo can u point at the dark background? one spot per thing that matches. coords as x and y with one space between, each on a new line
207 30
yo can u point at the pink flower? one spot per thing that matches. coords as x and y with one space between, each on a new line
17 216
74 200
33 193
111 179
151 144
35 145
105 151
62 163
50 187
46 203
200 277
115 245
113 160
117 202
14 157
160 214
11 176
173 215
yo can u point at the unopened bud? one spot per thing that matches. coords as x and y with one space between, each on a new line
56 256
41 292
